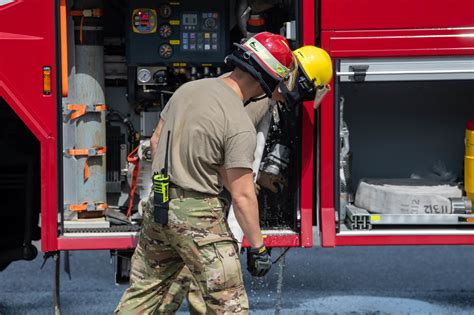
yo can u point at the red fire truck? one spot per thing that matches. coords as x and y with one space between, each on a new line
82 85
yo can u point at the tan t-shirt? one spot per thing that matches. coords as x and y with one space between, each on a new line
256 110
209 129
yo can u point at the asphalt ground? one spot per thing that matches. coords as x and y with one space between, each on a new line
345 280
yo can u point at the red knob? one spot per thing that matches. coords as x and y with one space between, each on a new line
470 124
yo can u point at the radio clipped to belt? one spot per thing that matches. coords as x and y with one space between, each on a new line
161 185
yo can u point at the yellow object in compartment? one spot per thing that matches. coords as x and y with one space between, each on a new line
469 161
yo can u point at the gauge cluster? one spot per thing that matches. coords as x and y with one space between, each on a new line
151 76
191 32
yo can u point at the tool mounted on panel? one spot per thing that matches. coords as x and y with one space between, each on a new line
161 184
469 161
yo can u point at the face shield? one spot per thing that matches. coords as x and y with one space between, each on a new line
302 90
321 92
290 76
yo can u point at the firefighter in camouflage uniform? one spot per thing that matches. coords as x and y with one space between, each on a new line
314 76
212 144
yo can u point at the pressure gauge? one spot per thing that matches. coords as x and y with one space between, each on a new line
165 51
210 23
144 75
165 11
165 30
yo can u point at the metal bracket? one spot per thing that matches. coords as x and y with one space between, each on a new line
97 151
86 206
359 218
360 72
78 110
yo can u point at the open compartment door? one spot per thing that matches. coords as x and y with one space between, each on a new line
399 170
121 78
28 90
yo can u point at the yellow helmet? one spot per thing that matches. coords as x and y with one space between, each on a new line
313 77
315 63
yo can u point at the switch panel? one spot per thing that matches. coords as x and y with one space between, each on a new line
191 32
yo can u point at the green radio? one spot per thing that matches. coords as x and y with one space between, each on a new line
161 185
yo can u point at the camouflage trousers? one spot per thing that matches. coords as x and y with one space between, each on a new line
184 287
197 237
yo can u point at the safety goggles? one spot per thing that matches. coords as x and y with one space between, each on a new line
291 77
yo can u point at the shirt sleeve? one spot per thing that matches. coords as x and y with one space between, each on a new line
239 150
165 110
256 110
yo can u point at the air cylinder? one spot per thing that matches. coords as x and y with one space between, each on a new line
469 161
90 91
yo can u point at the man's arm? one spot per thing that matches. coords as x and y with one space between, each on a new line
223 175
244 200
155 137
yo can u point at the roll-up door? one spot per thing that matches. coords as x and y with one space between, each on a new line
406 69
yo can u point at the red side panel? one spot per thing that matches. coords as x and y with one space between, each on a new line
326 172
393 43
307 140
93 243
384 43
405 240
26 45
395 14
278 241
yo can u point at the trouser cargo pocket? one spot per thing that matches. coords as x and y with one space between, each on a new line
221 262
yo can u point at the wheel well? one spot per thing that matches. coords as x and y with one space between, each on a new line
20 186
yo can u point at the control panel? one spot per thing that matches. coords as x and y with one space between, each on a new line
191 32
199 32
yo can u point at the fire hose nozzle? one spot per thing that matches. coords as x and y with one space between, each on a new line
462 205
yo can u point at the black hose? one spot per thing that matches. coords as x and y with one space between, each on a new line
281 255
128 124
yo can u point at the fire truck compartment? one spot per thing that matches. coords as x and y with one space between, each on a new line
132 60
401 119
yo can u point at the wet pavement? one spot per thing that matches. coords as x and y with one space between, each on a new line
351 280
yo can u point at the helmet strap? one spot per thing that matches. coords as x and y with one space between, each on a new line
242 61
291 97
254 99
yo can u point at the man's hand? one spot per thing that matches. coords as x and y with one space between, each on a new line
258 261
271 182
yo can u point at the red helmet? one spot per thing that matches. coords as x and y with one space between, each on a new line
265 56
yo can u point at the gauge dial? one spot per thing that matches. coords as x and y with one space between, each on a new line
144 21
144 75
165 11
165 30
210 23
165 51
